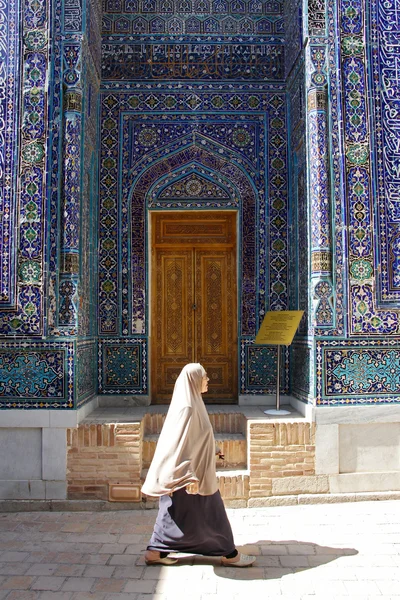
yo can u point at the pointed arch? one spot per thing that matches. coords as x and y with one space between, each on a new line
139 190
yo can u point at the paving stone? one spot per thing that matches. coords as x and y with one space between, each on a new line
335 552
130 572
109 585
17 557
69 570
124 596
16 582
22 595
13 568
78 584
88 596
99 571
140 587
113 548
123 560
48 583
48 595
42 569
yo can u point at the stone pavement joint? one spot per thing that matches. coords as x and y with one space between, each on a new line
306 552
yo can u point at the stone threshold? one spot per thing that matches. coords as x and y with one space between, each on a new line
11 506
135 414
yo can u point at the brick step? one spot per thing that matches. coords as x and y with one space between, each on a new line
222 422
232 445
234 485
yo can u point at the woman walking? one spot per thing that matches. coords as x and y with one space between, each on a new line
191 516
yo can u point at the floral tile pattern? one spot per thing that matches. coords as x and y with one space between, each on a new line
198 105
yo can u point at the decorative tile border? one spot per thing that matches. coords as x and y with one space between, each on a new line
258 369
9 82
85 370
123 366
357 371
36 375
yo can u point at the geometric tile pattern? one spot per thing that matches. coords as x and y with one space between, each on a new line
384 56
36 375
123 366
86 370
194 97
208 143
365 275
301 371
192 17
9 58
358 373
30 118
258 369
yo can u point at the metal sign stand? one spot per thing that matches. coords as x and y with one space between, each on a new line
277 411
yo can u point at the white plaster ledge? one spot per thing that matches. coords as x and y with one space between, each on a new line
365 482
355 415
46 418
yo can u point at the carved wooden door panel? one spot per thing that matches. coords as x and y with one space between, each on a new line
173 343
194 317
215 320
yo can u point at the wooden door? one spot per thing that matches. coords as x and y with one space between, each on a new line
194 316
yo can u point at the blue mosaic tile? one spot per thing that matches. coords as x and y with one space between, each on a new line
36 375
196 113
123 366
353 372
86 371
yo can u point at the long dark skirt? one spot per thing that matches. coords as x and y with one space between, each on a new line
194 524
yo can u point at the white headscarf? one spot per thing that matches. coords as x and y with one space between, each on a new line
186 448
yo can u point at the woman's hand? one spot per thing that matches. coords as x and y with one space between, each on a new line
192 488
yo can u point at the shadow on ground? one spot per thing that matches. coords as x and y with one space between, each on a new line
274 559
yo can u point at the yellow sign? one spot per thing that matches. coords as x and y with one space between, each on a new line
279 327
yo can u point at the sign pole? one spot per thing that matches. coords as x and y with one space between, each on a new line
278 329
278 375
277 411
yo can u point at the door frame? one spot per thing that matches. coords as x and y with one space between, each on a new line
151 288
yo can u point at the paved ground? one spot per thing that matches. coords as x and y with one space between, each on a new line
337 551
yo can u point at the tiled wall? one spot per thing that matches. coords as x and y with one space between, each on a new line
300 140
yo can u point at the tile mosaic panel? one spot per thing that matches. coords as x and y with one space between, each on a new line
316 17
93 32
206 146
73 15
384 33
357 372
54 144
301 371
292 10
133 60
85 370
74 97
123 366
365 275
161 155
9 81
216 17
88 242
26 315
258 369
35 375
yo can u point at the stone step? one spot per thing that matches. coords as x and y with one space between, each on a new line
232 445
222 422
234 485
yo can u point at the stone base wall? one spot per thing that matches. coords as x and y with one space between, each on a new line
100 456
281 459
107 461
